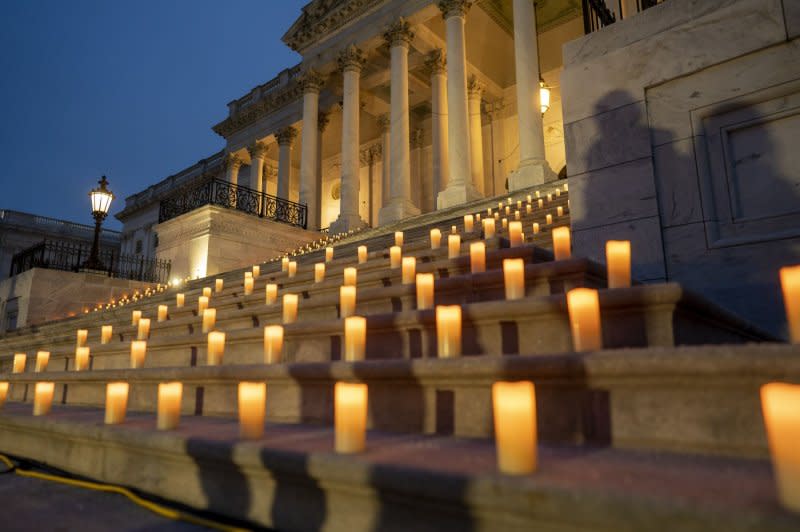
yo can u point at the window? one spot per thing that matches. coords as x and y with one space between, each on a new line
12 313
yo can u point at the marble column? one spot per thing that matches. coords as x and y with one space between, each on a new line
258 152
475 95
437 67
309 178
351 60
285 139
232 166
383 123
323 118
533 168
417 179
459 185
400 206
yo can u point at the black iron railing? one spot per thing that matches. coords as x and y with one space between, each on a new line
71 257
225 194
597 14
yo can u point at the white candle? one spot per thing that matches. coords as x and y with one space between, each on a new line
583 305
271 291
395 255
218 285
508 210
81 358
202 304
42 359
249 283
548 219
488 228
515 234
355 338
136 315
453 246
448 331
138 353
162 313
516 215
398 238
535 228
469 221
561 243
497 216
790 286
215 348
347 301
362 254
424 291
409 269
252 409
319 272
82 335
169 405
284 264
180 300
350 276
116 402
256 270
453 230
328 254
558 192
477 257
618 263
19 362
3 393
207 291
350 417
289 308
541 203
549 198
292 269
780 404
273 344
514 278
43 398
514 409
528 209
560 211
478 217
538 194
143 331
504 223
436 238
209 319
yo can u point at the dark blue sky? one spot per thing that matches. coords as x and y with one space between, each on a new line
126 89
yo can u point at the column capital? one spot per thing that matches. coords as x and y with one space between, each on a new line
323 119
384 121
232 161
399 33
257 150
475 88
286 136
454 8
311 81
436 62
351 59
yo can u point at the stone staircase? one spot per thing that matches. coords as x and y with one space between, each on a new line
659 430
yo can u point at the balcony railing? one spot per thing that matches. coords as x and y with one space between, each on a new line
71 256
600 13
225 194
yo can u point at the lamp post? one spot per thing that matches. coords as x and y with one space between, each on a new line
101 202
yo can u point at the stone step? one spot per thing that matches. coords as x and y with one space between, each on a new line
291 480
702 400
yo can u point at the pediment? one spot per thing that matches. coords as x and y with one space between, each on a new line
321 17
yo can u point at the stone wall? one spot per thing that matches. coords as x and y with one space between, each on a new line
680 124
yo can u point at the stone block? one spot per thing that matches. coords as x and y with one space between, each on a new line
791 13
676 181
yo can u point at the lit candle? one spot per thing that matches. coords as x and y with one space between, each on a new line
561 243
19 362
355 338
218 284
780 404
790 285
514 408
136 315
202 304
538 194
116 402
519 204
535 228
436 238
528 208
566 186
209 319
162 313
289 308
207 291
42 358
180 300
292 270
477 257
284 264
3 393
350 276
398 238
548 219
584 318
252 409
248 275
319 272
409 270
504 223
273 344
81 358
560 211
549 198
618 263
497 216
516 215
395 254
558 192
138 353
488 228
448 330
249 283
215 348
271 291
169 405
347 301
350 417
541 203
328 254
453 230
453 246
256 270
514 278
515 234
82 335
508 210
478 217
469 221
43 398
424 291
362 254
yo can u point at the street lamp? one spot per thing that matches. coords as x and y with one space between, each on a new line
101 202
544 96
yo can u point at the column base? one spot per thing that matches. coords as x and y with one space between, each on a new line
397 209
530 173
457 195
346 222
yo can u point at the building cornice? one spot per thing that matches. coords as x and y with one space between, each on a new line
323 17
